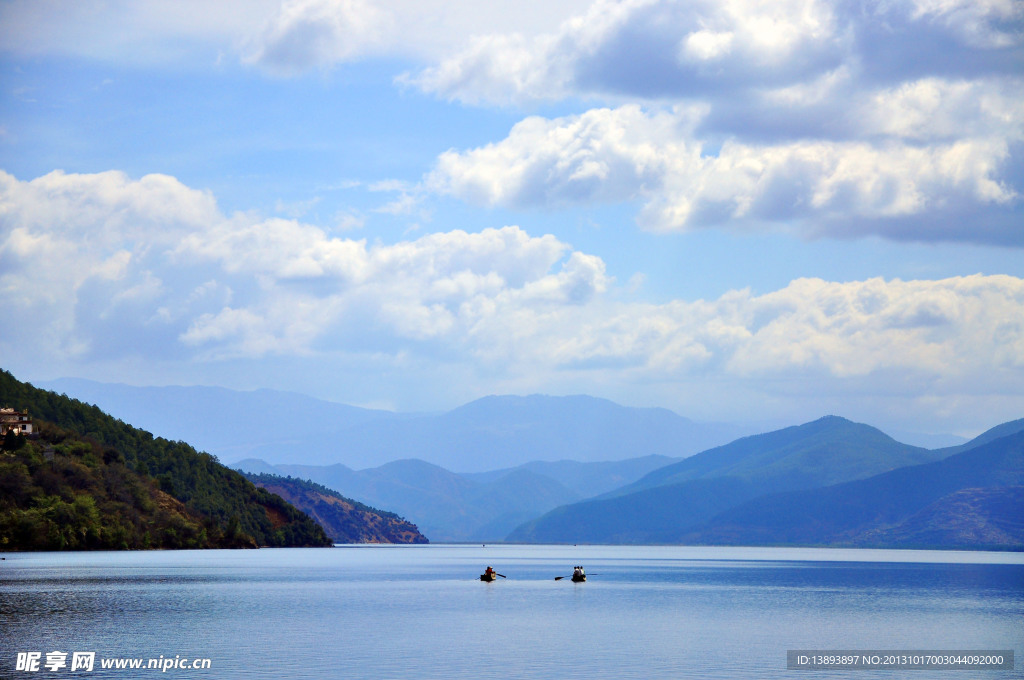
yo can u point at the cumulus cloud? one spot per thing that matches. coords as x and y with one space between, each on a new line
859 328
823 117
76 248
103 267
898 119
817 187
935 109
838 329
601 155
700 48
82 254
433 289
61 230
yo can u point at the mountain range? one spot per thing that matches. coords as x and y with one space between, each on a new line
481 436
581 469
972 499
448 506
829 482
676 497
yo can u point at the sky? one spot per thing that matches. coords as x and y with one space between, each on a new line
741 210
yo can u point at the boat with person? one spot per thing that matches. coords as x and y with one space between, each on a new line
490 575
578 575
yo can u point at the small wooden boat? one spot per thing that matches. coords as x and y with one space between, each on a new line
579 578
490 575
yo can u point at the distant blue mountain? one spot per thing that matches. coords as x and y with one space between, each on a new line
555 469
444 505
826 451
973 499
507 431
227 423
491 433
667 503
997 432
448 506
586 479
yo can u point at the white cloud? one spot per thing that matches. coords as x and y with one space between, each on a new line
286 37
835 333
657 49
899 119
952 336
499 302
985 23
645 48
313 33
430 289
90 257
503 69
109 205
601 155
859 328
705 45
61 230
816 187
933 109
309 34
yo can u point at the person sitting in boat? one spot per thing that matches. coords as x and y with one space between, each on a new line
489 573
577 574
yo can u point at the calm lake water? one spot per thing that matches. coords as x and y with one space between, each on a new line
420 612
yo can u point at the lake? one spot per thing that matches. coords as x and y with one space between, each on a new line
421 612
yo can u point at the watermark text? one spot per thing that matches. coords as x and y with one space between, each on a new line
43 662
875 659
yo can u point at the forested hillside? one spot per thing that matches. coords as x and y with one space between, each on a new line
344 520
91 481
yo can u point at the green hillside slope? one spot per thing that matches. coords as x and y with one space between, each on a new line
110 485
344 520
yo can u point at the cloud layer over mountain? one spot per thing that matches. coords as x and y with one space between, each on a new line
103 265
191 193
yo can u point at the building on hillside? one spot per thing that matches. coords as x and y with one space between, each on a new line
19 421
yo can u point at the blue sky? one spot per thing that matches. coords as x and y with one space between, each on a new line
743 210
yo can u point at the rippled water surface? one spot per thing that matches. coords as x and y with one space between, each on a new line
421 612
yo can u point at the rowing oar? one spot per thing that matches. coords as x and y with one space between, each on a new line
501 575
